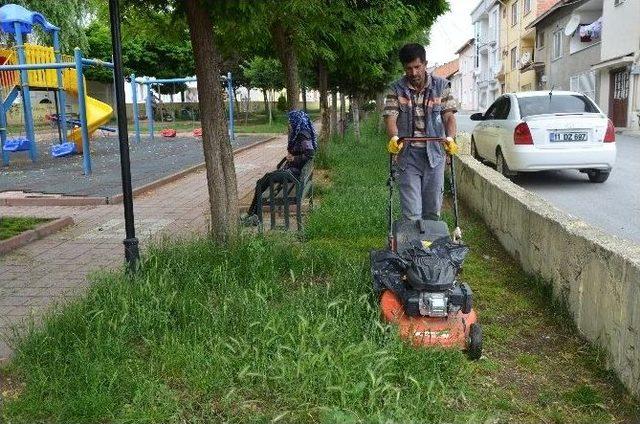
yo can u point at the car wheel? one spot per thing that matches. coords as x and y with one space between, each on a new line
597 176
502 167
474 151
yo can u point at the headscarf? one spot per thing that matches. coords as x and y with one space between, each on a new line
300 121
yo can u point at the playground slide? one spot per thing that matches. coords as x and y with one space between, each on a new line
98 114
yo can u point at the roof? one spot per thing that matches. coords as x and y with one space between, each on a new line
467 44
446 70
11 14
545 10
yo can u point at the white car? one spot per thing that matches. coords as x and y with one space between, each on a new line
545 130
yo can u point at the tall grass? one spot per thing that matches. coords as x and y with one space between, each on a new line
267 327
278 329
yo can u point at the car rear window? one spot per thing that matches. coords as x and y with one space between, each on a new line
556 103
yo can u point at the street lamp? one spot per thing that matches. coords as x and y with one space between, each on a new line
131 252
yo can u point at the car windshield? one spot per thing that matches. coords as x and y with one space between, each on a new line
555 103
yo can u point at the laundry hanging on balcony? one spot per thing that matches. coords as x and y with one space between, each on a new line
591 31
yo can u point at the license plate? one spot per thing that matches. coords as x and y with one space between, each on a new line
567 136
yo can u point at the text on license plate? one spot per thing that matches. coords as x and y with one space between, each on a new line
568 136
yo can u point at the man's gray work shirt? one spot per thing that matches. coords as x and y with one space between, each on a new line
445 102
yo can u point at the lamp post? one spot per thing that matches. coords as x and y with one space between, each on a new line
131 252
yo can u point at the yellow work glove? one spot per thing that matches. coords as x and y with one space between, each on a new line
394 147
450 146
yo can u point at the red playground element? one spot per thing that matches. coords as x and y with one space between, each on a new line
197 132
451 331
168 132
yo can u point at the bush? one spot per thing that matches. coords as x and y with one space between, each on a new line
282 103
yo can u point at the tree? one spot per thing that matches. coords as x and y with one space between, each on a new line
68 15
372 33
218 154
148 47
265 74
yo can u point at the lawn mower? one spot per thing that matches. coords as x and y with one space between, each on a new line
416 278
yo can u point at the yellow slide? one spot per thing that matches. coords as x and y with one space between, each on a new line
98 114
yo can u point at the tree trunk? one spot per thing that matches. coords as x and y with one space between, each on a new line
237 104
248 105
267 106
334 113
380 110
323 87
304 98
270 106
355 109
343 115
289 60
218 155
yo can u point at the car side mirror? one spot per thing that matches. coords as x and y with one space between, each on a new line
477 117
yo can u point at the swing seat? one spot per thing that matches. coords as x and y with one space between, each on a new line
17 144
168 132
197 132
63 149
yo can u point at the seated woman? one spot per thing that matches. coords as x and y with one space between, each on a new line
301 147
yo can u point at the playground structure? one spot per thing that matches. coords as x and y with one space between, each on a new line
28 67
150 82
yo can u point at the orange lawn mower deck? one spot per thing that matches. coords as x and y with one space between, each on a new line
427 313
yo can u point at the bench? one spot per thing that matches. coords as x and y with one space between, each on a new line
285 190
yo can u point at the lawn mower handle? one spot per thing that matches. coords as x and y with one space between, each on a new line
457 232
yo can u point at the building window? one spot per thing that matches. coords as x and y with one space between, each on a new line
540 40
557 45
514 58
584 83
514 13
527 7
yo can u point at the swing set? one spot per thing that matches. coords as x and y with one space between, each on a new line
153 84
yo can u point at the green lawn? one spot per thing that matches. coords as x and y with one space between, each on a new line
10 226
285 328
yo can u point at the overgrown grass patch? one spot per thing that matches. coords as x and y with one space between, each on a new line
279 328
12 226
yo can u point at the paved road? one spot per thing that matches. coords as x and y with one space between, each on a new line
613 206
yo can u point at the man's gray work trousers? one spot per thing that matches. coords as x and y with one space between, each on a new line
421 186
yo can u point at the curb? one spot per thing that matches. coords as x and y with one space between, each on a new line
53 201
37 233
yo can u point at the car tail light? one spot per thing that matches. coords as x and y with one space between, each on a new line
522 134
610 135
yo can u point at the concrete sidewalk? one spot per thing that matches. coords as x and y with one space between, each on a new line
55 268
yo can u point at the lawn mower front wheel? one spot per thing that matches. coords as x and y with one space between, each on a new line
474 347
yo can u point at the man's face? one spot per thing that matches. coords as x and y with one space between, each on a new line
416 72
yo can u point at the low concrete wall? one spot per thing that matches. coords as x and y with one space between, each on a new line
596 275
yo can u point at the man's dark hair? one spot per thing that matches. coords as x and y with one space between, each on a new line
410 52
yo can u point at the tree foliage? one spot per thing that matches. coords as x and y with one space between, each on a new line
69 15
264 73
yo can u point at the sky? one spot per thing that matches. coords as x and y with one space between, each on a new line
451 31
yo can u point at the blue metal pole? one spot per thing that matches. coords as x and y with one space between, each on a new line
62 96
136 118
37 66
149 110
26 95
82 111
3 129
230 88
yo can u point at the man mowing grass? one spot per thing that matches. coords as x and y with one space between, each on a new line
420 105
